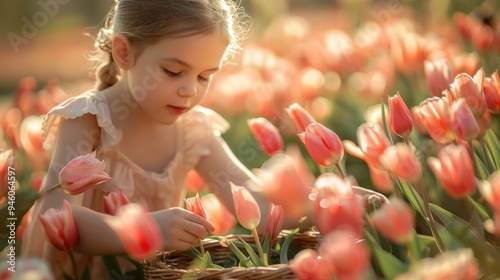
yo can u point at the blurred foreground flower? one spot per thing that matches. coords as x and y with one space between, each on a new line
137 230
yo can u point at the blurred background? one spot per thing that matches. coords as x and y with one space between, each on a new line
337 59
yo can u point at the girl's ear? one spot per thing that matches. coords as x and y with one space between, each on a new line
122 52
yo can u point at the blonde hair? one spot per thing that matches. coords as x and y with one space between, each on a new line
145 22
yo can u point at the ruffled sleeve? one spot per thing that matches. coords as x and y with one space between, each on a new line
199 126
89 102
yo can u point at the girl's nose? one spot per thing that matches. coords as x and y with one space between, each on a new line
188 89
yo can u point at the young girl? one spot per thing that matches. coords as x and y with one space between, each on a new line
144 121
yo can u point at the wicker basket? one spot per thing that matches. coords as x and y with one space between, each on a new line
176 265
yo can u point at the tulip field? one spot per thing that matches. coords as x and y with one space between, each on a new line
382 118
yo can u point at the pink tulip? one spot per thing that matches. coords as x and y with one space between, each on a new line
402 162
400 119
60 227
491 90
468 88
137 230
267 135
463 121
490 190
439 75
194 182
381 179
308 266
493 225
323 145
395 220
274 223
453 167
246 208
300 117
436 118
194 205
218 215
372 141
336 205
82 173
113 201
418 121
346 254
286 173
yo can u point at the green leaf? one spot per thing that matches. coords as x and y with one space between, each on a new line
483 171
247 262
236 251
139 268
428 245
286 244
413 197
384 120
251 253
479 208
493 145
450 242
86 274
389 264
111 264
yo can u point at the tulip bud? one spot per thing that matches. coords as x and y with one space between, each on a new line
453 167
437 119
60 227
463 121
267 135
246 208
82 173
400 119
323 145
274 223
402 162
300 117
113 201
395 220
194 205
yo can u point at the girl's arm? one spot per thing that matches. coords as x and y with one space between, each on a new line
222 167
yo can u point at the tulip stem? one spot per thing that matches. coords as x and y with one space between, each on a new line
432 222
202 250
257 243
45 192
73 263
340 169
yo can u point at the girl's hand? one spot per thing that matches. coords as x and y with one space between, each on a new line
181 229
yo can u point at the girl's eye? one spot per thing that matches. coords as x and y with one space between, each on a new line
203 79
172 74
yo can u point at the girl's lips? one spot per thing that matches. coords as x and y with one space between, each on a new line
177 110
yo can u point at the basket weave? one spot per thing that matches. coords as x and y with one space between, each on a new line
175 265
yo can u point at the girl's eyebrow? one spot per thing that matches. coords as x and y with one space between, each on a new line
185 64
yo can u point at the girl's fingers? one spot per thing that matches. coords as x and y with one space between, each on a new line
207 225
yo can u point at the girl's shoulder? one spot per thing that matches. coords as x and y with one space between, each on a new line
90 102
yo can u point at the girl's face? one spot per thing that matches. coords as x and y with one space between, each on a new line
170 77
